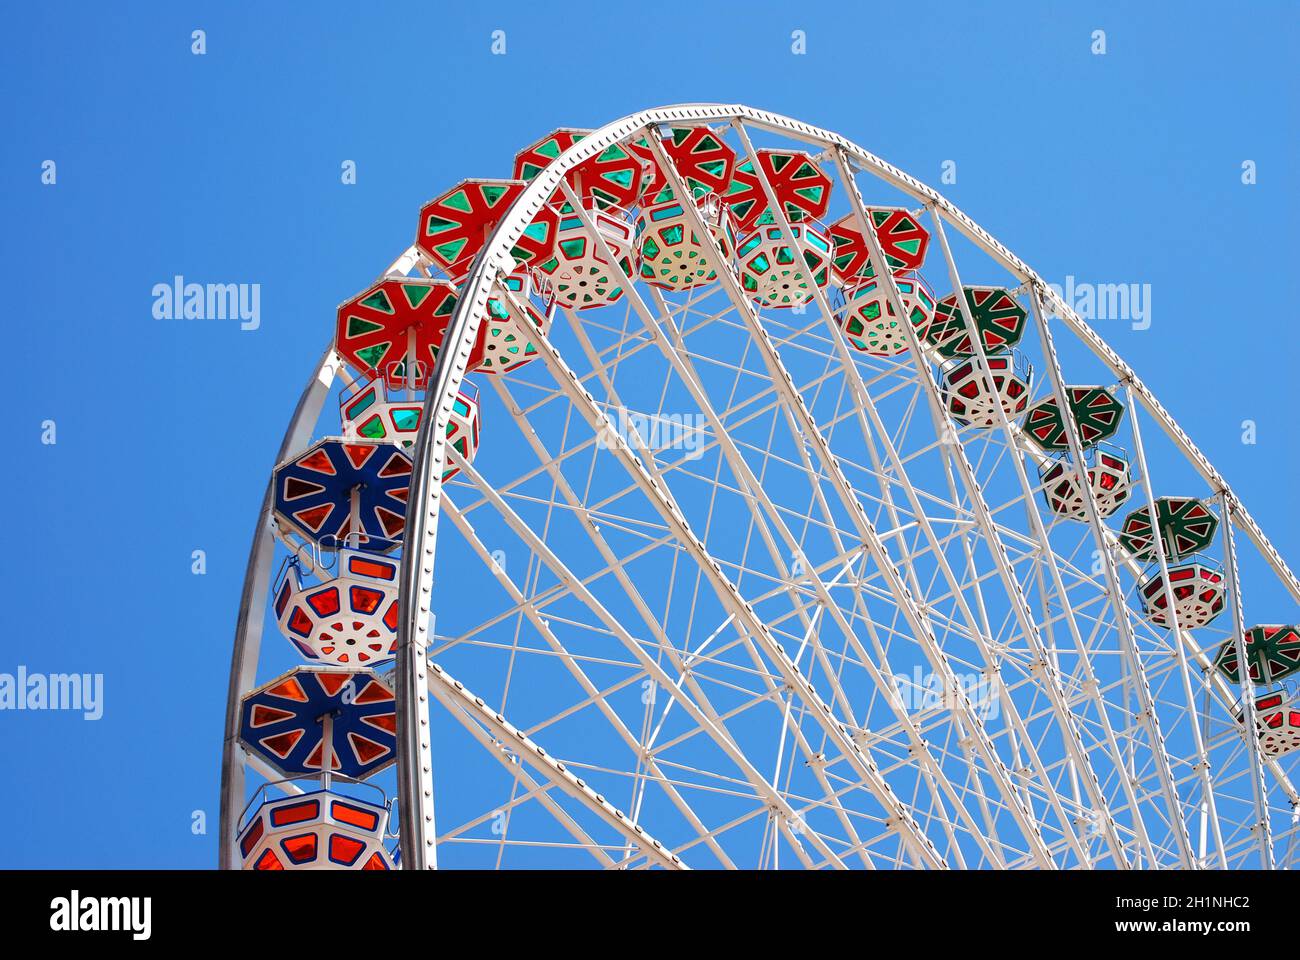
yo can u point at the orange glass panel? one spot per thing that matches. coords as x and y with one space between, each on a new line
332 683
313 759
289 690
345 850
314 518
365 600
357 817
300 623
250 838
318 461
372 568
263 715
282 744
301 849
365 748
325 602
359 453
268 861
295 813
384 721
374 692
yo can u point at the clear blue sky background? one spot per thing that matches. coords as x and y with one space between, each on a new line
225 168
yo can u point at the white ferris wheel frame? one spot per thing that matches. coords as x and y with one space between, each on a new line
416 679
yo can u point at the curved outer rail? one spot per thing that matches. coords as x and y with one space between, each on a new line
415 788
252 606
257 577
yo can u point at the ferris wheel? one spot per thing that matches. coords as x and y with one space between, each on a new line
706 492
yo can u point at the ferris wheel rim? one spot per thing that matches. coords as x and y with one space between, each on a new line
493 259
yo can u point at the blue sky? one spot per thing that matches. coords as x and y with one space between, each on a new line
226 168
